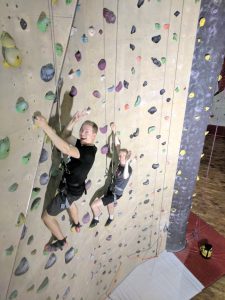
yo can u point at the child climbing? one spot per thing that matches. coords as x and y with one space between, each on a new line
80 158
119 181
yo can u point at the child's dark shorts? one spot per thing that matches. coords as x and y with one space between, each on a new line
109 197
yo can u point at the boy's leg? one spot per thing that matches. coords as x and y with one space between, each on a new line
52 225
95 206
110 208
73 210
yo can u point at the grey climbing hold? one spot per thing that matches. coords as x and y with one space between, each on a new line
4 147
135 134
109 237
73 91
125 84
44 179
22 268
69 255
109 16
156 62
156 38
176 14
47 72
155 166
51 261
23 24
44 283
146 182
36 202
102 64
140 3
152 110
88 184
21 105
43 156
30 239
66 293
24 232
132 47
133 29
13 187
145 83
162 91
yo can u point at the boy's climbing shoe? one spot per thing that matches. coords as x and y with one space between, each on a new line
75 227
52 247
108 222
93 223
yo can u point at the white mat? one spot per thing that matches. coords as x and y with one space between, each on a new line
161 278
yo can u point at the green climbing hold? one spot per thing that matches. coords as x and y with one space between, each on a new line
21 105
26 158
13 295
69 1
138 101
43 285
50 96
54 171
133 70
35 203
58 49
13 187
174 36
21 220
151 129
9 250
157 26
35 192
43 22
177 89
163 60
4 147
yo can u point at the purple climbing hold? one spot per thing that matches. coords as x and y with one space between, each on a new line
43 156
109 16
109 237
132 47
69 255
140 3
152 110
73 91
133 29
47 72
156 38
44 179
102 64
162 91
119 87
88 184
78 56
96 94
103 129
51 261
105 149
86 218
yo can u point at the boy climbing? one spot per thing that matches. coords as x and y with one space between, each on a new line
80 158
119 182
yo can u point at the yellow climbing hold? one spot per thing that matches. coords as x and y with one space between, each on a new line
11 55
207 57
194 195
179 172
201 22
175 192
220 77
206 108
54 2
199 40
7 41
202 155
207 132
197 178
191 95
182 152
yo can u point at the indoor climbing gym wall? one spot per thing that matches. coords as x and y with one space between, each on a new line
126 62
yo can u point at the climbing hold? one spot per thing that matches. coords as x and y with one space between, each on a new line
151 129
35 192
156 62
133 29
9 250
13 187
166 26
146 201
23 24
157 26
6 40
30 288
36 202
12 57
191 95
125 84
146 182
96 94
102 64
207 57
91 31
33 252
202 22
88 184
78 56
58 49
206 108
138 101
176 14
24 231
220 77
133 70
44 179
21 220
158 136
132 47
30 240
26 158
109 16
66 293
13 295
78 72
111 89
162 91
145 83
168 99
69 1
43 22
50 95
69 255
138 58
156 38
109 237
135 134
177 89
86 218
105 149
175 36
44 283
21 105
152 110
163 60
103 129
119 87
47 72
126 106
182 152
100 31
84 39
73 91
51 261
22 268
140 3
155 166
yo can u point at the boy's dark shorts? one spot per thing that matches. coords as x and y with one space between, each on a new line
61 202
109 198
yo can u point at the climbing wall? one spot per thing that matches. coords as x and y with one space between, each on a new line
127 62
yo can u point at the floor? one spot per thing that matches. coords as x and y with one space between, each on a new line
209 203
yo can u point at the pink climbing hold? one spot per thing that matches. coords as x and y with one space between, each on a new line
96 94
126 106
138 59
166 26
102 64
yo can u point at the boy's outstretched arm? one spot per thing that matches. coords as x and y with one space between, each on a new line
115 140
